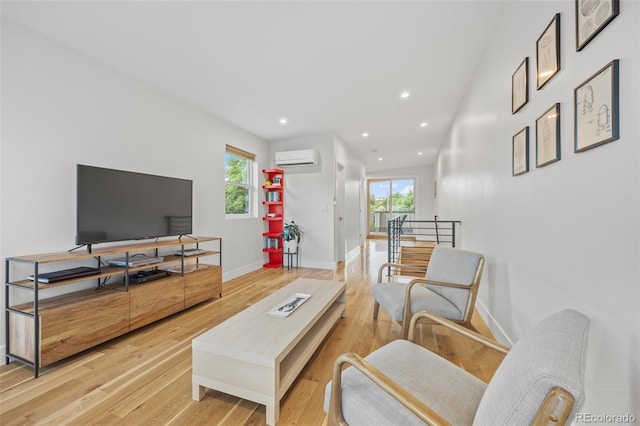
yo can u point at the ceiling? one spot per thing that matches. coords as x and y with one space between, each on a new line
327 66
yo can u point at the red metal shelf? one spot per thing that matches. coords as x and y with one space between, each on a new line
274 225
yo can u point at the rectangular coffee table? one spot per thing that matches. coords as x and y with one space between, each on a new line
257 356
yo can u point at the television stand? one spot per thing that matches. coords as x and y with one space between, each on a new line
47 329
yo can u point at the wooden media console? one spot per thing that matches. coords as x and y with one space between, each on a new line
45 330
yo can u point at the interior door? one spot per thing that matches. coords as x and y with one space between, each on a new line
340 235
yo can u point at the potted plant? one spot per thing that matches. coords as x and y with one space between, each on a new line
291 234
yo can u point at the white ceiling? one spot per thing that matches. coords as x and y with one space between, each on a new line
327 66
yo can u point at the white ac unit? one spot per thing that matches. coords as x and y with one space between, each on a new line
304 157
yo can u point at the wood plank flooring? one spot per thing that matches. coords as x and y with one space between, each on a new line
145 376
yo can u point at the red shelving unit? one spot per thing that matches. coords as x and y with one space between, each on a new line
274 216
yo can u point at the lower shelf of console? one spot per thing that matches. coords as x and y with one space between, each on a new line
78 321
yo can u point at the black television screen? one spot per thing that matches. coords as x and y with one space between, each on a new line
116 205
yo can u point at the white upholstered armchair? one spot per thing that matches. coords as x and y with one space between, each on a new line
540 381
448 289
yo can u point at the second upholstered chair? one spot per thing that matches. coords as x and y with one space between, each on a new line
539 382
448 289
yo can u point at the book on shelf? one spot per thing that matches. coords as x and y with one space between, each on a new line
272 243
273 196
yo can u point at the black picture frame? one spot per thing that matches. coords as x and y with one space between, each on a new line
548 53
592 17
548 136
520 152
597 108
520 86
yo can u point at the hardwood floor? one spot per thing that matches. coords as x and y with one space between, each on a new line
145 376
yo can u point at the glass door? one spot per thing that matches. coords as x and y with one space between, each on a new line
389 198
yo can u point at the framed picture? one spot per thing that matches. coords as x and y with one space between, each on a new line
520 86
591 18
520 155
548 52
548 137
596 101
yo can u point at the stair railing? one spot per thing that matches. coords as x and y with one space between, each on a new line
400 230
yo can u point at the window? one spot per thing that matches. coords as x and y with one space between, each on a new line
238 179
389 198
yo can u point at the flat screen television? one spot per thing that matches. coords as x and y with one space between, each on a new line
117 205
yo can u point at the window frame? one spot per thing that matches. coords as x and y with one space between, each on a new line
250 186
390 211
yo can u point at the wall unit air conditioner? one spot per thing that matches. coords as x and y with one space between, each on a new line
305 157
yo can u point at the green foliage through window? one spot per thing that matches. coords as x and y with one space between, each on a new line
388 198
237 190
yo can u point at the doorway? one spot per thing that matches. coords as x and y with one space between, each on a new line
387 199
340 239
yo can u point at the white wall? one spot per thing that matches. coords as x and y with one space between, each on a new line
308 199
565 235
310 193
60 109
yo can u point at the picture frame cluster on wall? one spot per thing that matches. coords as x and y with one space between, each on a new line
596 100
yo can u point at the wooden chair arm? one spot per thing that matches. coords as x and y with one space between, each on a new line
398 266
477 337
555 409
406 317
417 407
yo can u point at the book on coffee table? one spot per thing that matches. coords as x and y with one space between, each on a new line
289 305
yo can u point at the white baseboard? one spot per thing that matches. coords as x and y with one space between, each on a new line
235 273
315 264
353 254
492 323
319 264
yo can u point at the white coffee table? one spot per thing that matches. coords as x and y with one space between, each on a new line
257 356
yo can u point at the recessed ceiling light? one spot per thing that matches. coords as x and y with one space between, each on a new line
283 120
405 94
365 135
423 124
420 153
379 158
